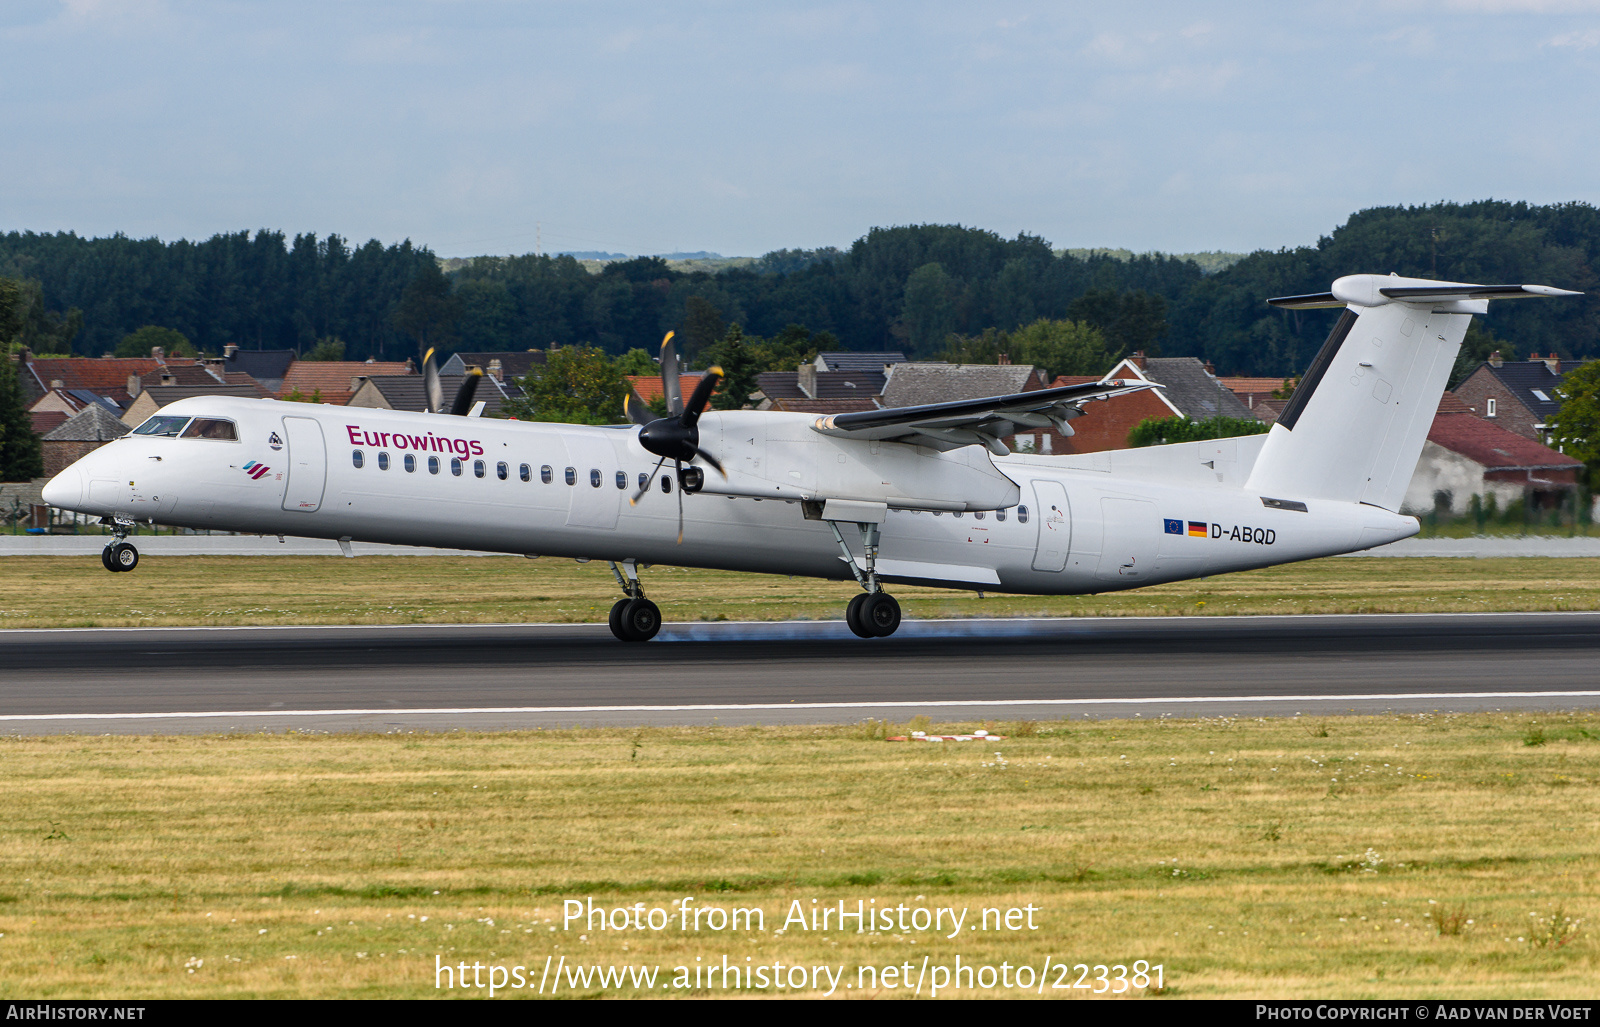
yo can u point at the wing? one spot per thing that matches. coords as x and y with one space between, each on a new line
982 422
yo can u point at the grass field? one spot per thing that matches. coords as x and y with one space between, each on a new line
1396 856
48 592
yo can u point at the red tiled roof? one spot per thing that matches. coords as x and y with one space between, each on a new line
47 420
648 386
1450 403
100 375
332 377
1063 380
1491 445
1251 384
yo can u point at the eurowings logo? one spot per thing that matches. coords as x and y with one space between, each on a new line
256 470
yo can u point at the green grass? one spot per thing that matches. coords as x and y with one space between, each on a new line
1248 858
44 591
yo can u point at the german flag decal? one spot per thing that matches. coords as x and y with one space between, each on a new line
1197 529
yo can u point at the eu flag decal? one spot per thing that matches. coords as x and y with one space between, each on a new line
1174 527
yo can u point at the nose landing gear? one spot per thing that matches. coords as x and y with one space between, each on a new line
633 617
119 554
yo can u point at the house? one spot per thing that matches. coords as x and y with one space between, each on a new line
1518 395
103 376
857 363
1257 394
648 387
409 392
67 401
909 384
1190 388
1467 455
153 399
78 436
334 381
499 366
267 366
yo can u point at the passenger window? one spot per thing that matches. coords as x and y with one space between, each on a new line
433 465
572 476
502 471
526 472
979 515
167 426
594 476
999 515
455 466
411 462
956 514
1022 515
666 483
477 468
546 473
357 457
383 461
211 428
622 479
644 479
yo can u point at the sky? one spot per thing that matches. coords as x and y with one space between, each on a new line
490 126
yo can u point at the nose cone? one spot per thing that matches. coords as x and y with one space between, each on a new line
65 490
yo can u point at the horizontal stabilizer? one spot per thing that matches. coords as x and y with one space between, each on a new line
1376 290
968 422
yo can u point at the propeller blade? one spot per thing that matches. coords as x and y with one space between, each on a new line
669 376
638 412
702 396
677 465
647 483
432 391
469 388
708 458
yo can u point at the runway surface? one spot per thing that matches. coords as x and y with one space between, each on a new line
441 677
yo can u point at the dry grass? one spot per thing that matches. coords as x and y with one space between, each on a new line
40 592
1247 857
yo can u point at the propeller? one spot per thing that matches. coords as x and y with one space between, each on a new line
433 389
469 388
675 437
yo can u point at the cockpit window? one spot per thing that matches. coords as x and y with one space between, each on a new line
211 428
164 425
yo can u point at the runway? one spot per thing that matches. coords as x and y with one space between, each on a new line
443 677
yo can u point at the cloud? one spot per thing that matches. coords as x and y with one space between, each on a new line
1576 40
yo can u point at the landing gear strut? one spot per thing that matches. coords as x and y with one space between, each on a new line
875 613
119 554
633 617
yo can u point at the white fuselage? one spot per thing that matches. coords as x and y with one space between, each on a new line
1039 525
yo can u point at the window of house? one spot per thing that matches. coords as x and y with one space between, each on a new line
477 468
433 465
357 457
502 470
1488 409
383 461
411 463
1537 392
455 466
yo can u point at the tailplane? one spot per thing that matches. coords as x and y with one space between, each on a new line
1354 428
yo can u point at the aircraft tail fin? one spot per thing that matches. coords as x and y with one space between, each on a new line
1355 426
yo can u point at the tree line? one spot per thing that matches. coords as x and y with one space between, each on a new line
925 290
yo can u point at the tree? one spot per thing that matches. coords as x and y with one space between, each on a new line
928 314
1059 347
1165 431
1575 428
329 347
702 325
576 385
1130 321
427 310
144 341
636 362
21 458
739 370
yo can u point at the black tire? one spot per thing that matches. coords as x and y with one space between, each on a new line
105 559
641 619
616 619
881 614
124 557
852 617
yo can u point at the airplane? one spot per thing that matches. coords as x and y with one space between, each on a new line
921 495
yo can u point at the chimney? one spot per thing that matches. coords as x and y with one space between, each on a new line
1138 359
1494 359
158 354
168 378
1553 362
372 360
1212 371
230 352
808 379
357 381
1005 359
57 383
135 385
496 371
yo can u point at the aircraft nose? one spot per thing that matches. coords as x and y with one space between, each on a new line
65 490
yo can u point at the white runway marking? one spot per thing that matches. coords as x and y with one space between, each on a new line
754 707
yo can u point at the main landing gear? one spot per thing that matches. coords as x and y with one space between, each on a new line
120 555
633 618
875 613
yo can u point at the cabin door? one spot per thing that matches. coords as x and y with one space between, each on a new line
308 464
1055 526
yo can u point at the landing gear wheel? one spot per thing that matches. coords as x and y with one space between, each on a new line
640 620
124 557
616 618
880 614
105 558
852 616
